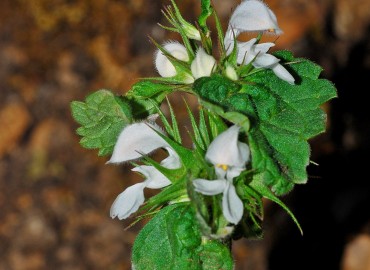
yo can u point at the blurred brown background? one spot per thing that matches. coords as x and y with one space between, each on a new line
55 196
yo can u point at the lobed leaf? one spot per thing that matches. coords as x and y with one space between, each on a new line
102 117
282 117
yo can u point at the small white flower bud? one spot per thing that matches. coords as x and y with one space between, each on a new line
203 64
231 73
163 65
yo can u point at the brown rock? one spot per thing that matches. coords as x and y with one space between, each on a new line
14 120
357 254
351 18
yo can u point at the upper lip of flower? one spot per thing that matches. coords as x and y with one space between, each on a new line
225 149
252 16
136 140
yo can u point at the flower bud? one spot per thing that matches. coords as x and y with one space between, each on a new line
203 64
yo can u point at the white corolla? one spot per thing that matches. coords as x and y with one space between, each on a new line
136 140
255 16
229 157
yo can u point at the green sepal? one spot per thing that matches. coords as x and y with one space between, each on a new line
250 226
102 117
175 18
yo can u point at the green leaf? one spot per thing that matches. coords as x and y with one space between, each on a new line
215 256
102 117
148 89
283 117
172 241
145 96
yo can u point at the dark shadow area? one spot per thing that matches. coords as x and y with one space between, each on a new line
335 206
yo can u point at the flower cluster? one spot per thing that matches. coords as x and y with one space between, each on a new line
249 139
249 16
181 64
226 153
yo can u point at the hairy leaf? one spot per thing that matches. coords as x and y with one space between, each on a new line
172 241
283 117
102 117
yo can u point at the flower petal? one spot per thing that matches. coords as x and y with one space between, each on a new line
233 172
230 72
262 48
265 60
209 187
154 178
172 161
245 51
226 150
136 140
282 73
203 64
163 65
253 15
232 205
128 201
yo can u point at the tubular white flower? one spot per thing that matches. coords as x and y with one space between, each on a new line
203 64
163 65
132 198
229 157
134 141
257 54
252 16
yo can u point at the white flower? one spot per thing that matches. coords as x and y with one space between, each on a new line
164 66
251 16
229 157
136 140
203 64
132 198
257 54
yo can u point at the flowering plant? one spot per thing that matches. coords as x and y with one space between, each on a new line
257 112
